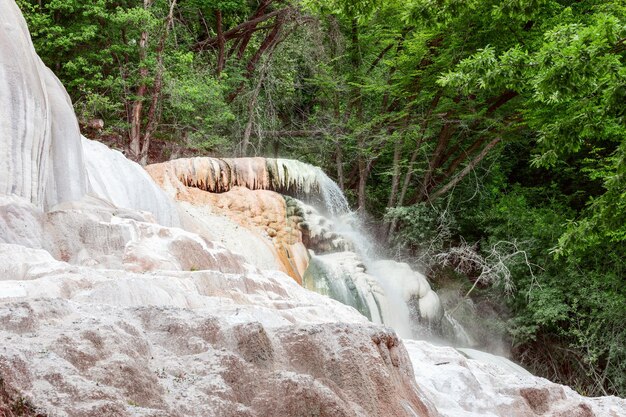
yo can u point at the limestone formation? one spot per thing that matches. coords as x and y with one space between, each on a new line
34 114
493 386
263 212
126 184
108 309
237 188
225 340
218 175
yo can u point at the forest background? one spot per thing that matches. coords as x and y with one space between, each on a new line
481 140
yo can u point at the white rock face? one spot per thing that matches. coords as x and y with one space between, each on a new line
25 126
491 386
42 157
20 222
66 177
203 221
342 276
126 184
93 338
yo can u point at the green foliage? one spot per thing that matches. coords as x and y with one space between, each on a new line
422 228
575 301
196 106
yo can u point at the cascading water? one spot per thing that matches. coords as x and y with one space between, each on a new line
308 182
348 255
343 285
344 263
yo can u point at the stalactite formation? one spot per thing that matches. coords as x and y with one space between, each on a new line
285 176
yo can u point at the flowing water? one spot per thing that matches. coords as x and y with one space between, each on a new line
345 263
380 289
309 182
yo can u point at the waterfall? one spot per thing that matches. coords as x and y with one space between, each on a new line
328 275
345 257
344 262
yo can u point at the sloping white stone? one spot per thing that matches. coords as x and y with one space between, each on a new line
25 126
67 180
492 386
125 183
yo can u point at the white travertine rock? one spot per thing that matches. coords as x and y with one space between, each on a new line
42 155
382 289
342 276
25 126
218 175
125 183
67 179
40 152
21 222
205 222
491 386
409 283
80 341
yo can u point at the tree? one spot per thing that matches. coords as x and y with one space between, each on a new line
122 62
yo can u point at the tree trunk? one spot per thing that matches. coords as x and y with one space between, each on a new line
152 117
245 40
364 164
435 160
270 41
251 105
418 145
339 162
220 42
137 107
395 179
364 171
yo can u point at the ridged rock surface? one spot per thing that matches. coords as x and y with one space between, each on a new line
285 176
262 212
491 386
124 183
25 130
110 334
42 156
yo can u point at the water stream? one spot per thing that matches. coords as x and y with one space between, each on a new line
345 263
381 289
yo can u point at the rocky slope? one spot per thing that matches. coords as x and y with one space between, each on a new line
117 301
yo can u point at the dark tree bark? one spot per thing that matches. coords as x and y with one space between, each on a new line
459 177
220 42
269 43
137 106
140 143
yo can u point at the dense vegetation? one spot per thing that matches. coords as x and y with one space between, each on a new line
485 138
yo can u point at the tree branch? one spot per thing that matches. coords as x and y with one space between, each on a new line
458 178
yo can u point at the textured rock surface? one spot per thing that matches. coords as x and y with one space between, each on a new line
262 212
319 233
266 213
67 178
218 175
25 127
82 341
493 386
41 158
126 184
